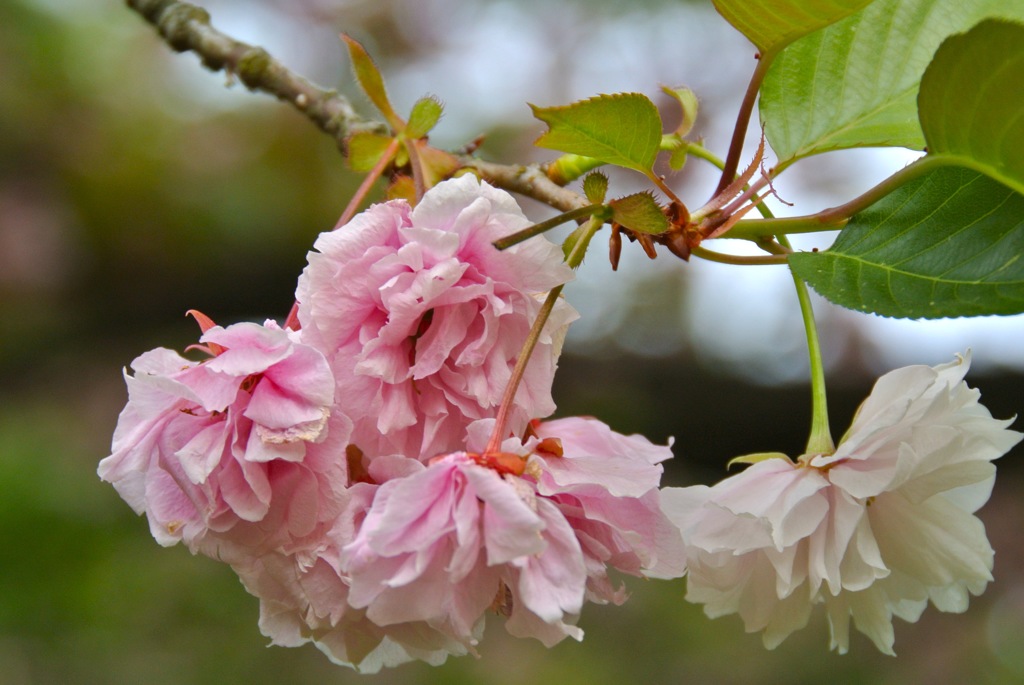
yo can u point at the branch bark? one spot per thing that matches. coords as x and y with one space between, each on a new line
530 181
187 28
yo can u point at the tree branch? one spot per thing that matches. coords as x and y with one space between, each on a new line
186 27
530 181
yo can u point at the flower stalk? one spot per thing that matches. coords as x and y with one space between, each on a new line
573 260
820 440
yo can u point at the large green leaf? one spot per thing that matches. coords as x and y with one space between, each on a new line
972 101
622 129
772 24
947 244
855 83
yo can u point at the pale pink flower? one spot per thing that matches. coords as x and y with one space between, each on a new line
877 529
446 542
232 450
606 485
304 598
423 319
528 535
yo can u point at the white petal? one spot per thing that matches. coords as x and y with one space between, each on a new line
934 542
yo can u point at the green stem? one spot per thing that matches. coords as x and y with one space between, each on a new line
744 260
531 231
698 150
836 217
820 440
574 259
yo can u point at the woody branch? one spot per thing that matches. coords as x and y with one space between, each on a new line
187 28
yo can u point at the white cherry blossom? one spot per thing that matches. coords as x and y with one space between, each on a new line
875 530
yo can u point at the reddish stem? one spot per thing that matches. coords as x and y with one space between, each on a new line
505 408
367 184
739 132
292 321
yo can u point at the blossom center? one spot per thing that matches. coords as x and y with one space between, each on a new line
502 462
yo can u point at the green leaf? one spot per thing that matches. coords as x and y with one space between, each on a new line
372 82
437 165
972 101
424 116
855 83
622 129
595 185
946 244
688 103
366 149
639 212
773 24
677 160
580 233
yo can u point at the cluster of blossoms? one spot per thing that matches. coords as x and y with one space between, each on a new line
346 468
342 468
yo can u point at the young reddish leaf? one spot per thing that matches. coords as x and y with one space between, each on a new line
402 188
371 82
366 149
595 185
424 116
205 322
622 129
437 164
639 212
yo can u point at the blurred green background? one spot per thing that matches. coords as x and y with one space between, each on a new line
133 187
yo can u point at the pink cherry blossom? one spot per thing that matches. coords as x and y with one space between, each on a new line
443 544
232 451
304 598
423 319
877 529
528 535
606 485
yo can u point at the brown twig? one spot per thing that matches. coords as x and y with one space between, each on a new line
530 181
187 28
